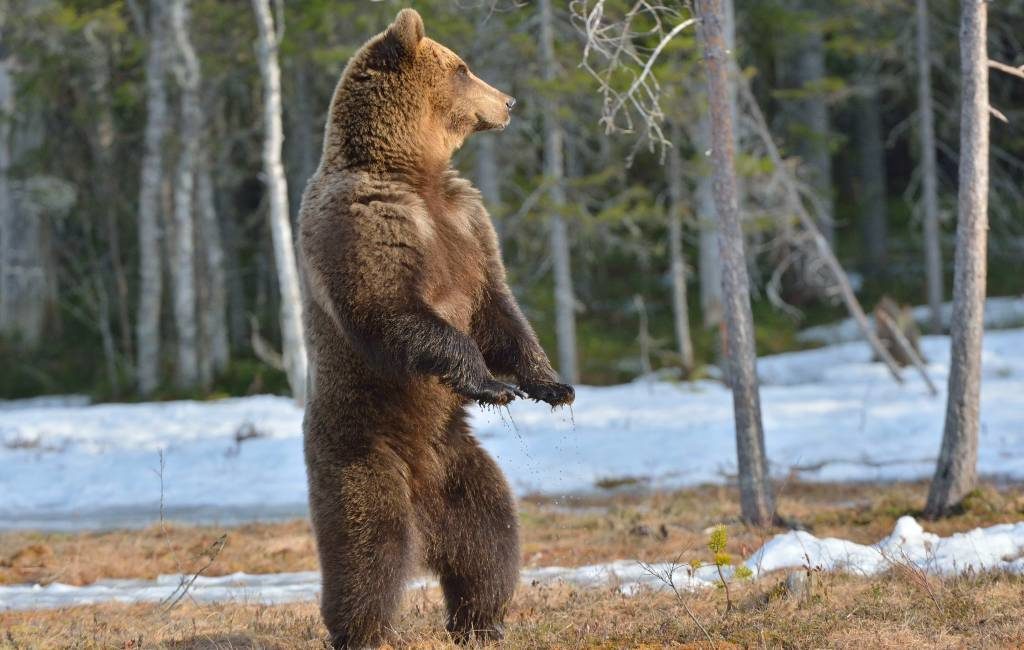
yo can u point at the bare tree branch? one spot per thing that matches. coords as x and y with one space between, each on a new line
1008 69
616 46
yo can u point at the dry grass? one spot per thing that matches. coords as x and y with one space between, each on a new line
901 609
841 612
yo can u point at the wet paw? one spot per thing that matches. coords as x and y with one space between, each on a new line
550 392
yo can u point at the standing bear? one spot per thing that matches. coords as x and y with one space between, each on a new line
408 320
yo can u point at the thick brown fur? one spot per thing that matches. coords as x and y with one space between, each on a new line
409 319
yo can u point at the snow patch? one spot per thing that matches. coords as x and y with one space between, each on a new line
829 414
996 548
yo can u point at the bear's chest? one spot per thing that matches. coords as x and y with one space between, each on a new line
455 262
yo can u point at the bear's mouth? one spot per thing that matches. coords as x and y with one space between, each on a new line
484 124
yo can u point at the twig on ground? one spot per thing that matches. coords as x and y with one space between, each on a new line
669 579
182 589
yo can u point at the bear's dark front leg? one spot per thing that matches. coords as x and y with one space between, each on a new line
510 347
362 518
471 535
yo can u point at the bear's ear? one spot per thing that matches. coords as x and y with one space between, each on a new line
406 32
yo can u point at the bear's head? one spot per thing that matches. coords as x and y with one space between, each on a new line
406 103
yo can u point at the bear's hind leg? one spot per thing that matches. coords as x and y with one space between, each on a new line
362 518
472 538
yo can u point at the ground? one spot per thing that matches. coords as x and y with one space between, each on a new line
903 607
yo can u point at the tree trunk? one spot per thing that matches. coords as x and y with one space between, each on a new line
710 266
929 179
871 156
956 472
292 345
755 492
304 153
487 177
215 352
183 273
680 308
813 116
25 291
147 326
709 263
102 142
565 301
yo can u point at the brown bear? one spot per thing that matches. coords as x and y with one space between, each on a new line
408 320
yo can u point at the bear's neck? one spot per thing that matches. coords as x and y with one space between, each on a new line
386 154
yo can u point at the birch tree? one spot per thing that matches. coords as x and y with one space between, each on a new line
214 348
187 73
680 308
929 173
293 347
956 471
26 288
147 327
755 491
565 300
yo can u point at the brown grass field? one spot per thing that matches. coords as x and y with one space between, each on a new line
902 609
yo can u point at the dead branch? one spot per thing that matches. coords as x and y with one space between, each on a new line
907 348
613 46
807 223
261 348
1008 69
996 113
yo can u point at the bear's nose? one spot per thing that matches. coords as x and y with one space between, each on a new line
510 102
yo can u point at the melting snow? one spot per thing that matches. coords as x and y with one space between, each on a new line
830 414
997 548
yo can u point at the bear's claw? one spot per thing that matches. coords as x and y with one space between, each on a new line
550 392
496 392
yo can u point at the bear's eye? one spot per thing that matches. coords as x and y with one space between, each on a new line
462 70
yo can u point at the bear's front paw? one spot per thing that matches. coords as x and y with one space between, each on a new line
492 391
551 392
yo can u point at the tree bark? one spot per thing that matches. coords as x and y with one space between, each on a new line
293 347
710 266
102 141
871 156
929 175
216 351
956 471
565 300
25 289
680 308
303 151
755 491
147 325
813 116
184 273
708 262
487 177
